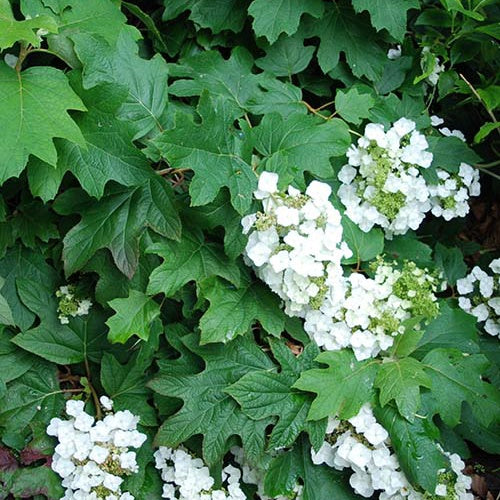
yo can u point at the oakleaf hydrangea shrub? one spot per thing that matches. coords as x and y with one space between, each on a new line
265 231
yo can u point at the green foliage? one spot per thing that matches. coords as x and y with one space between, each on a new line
132 138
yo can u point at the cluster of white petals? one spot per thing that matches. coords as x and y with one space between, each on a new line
295 244
93 456
383 184
363 445
188 478
255 476
374 310
70 304
480 296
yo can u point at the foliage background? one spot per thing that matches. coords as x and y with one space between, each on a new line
132 133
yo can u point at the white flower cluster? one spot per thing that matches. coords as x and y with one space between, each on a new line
188 478
92 456
295 244
363 445
480 296
374 309
255 476
70 304
383 185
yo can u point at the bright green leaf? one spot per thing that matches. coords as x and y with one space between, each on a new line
364 246
353 106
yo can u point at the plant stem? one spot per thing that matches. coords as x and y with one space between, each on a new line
95 397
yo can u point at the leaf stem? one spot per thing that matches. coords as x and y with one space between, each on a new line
95 397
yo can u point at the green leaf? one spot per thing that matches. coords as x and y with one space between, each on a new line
116 222
14 362
401 380
208 410
35 107
341 30
233 310
353 106
449 152
220 213
416 447
62 344
269 393
455 378
352 379
485 131
287 56
320 482
487 438
44 179
191 258
388 14
21 263
270 19
6 317
12 31
452 328
29 482
451 261
35 394
126 386
144 81
364 246
133 316
233 80
214 151
299 138
217 15
409 248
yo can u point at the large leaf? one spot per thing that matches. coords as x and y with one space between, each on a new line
353 106
233 311
364 245
35 107
388 14
14 362
36 393
83 338
270 19
342 388
401 380
320 482
133 316
455 378
191 258
269 393
21 263
116 222
416 447
213 150
144 81
234 81
295 140
208 410
341 30
12 31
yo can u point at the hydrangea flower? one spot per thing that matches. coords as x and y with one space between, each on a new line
480 296
295 244
383 184
93 456
362 444
70 304
188 478
375 309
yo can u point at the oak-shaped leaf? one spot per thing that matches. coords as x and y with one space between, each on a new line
342 388
83 338
207 409
214 150
233 311
133 316
117 222
456 377
35 105
189 259
401 379
267 393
